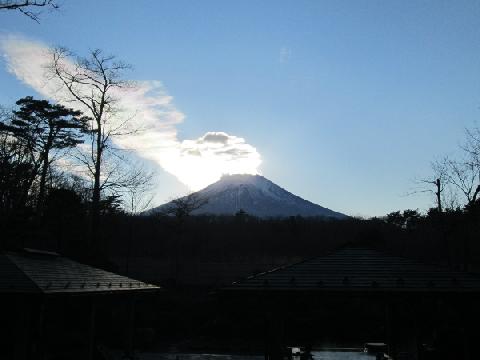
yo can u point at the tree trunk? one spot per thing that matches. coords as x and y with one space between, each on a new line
43 174
41 192
95 215
439 197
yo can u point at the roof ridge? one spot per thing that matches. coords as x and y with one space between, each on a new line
286 266
55 274
351 259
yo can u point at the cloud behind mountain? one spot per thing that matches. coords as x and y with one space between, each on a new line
196 162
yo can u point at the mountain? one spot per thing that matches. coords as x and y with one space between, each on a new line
255 195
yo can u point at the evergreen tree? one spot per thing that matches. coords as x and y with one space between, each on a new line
42 128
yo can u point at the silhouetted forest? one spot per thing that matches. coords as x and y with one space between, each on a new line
44 205
449 238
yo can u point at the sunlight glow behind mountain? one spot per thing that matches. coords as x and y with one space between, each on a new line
196 163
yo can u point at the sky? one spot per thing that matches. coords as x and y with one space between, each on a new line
344 103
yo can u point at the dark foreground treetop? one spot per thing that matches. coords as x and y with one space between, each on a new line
360 269
41 272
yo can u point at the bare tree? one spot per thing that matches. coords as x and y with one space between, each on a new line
464 175
26 6
139 198
91 82
472 144
458 178
131 183
472 148
183 206
435 184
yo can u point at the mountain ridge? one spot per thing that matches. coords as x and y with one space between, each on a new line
254 194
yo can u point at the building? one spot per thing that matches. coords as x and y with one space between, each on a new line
51 305
357 295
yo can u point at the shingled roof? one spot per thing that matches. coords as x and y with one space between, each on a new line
360 269
40 272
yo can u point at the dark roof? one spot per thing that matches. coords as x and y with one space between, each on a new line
49 273
359 269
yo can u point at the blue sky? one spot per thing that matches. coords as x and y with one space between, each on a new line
346 102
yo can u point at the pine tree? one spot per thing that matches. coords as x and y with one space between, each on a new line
43 128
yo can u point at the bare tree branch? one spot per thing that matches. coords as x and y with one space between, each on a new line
183 206
26 6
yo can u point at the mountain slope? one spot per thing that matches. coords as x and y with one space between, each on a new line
257 196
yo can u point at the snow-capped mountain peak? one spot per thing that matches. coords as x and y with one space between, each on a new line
257 196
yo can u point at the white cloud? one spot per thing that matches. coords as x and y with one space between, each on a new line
207 158
196 163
